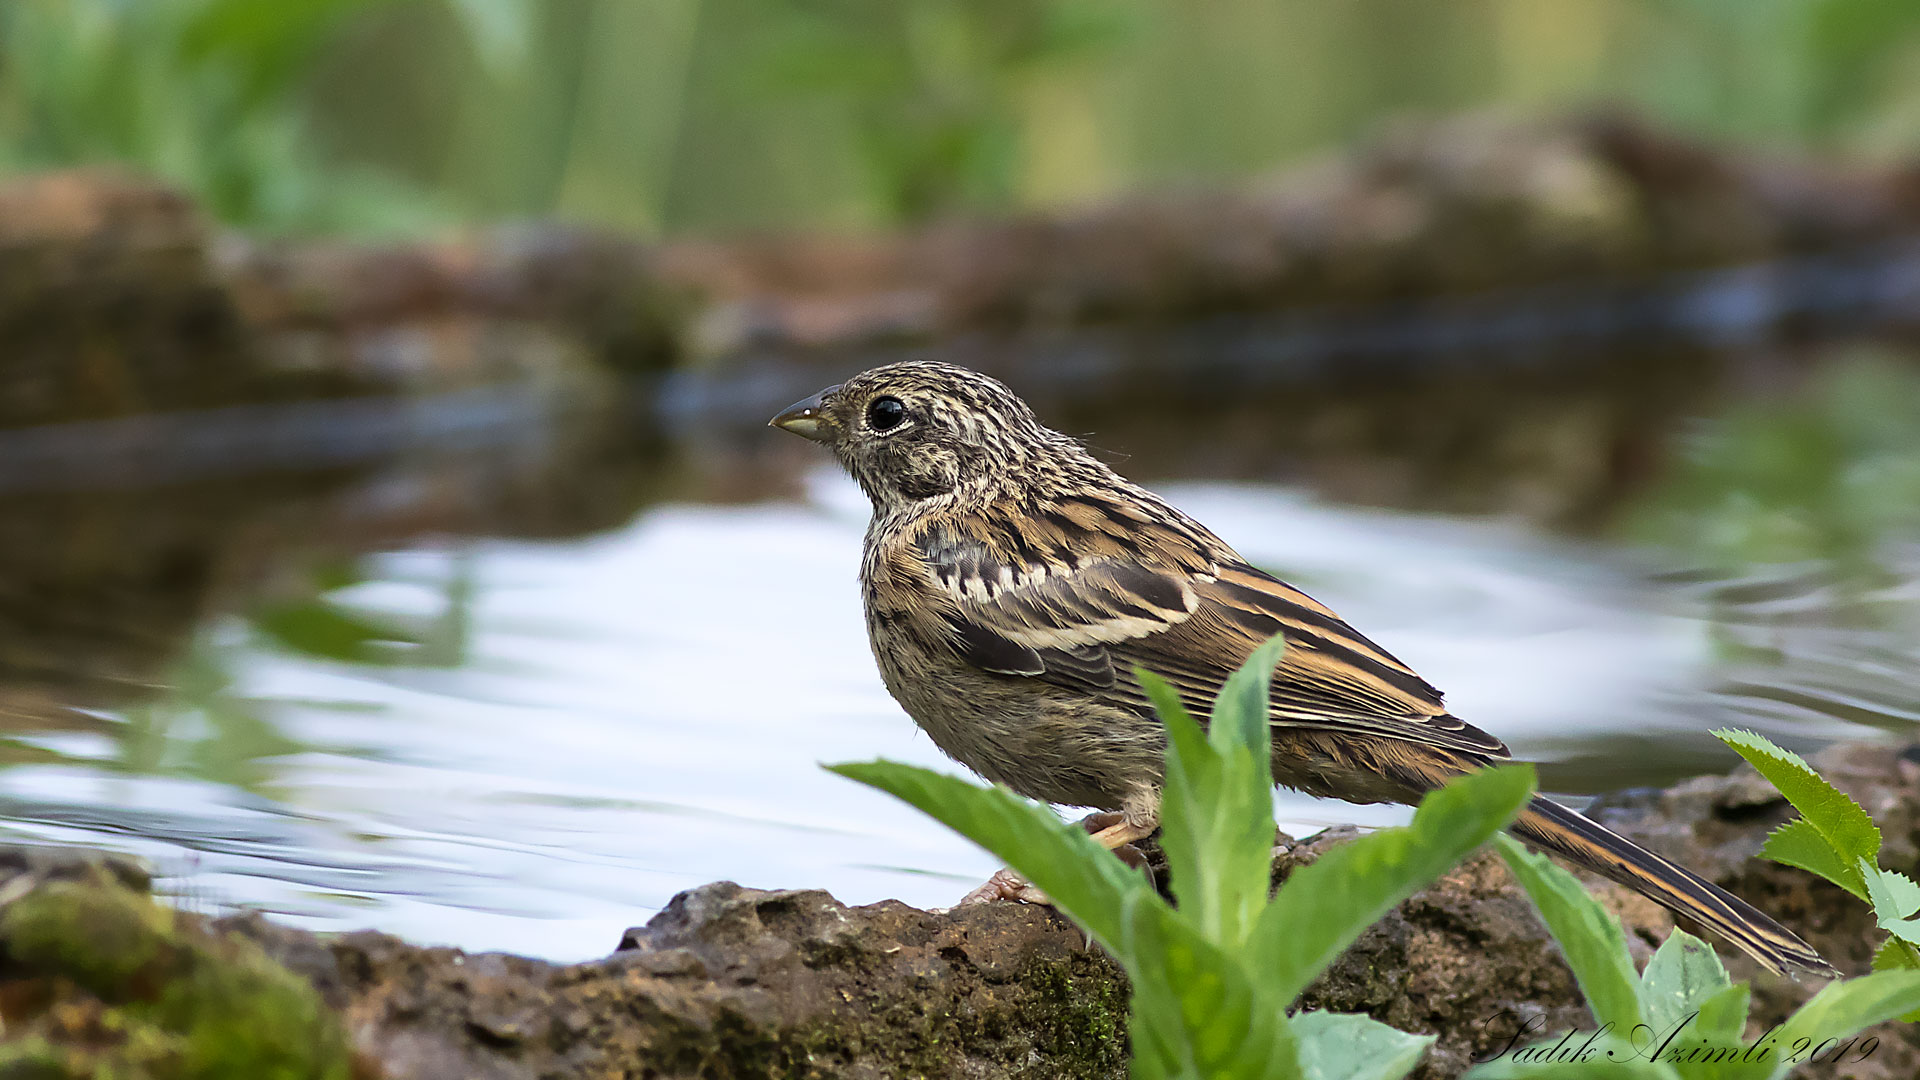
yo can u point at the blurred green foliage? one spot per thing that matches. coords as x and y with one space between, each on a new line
704 115
208 727
1830 472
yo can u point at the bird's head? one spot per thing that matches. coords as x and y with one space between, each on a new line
920 429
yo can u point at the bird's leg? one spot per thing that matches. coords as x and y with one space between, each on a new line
1111 830
1122 833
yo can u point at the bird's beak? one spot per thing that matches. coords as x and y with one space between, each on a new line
807 418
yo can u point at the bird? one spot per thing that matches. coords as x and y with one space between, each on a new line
1013 583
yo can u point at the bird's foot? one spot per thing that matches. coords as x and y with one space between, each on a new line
1005 884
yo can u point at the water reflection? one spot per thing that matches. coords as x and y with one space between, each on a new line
519 702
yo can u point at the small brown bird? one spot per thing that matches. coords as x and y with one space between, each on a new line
1012 583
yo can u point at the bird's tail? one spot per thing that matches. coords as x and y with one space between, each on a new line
1578 839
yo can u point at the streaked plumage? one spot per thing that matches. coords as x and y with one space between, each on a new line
1013 581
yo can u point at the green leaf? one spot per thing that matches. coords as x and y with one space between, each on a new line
1206 1015
1798 843
1338 1046
326 631
1723 1015
1240 713
1895 898
1897 955
1683 974
1324 906
1204 811
1216 806
1839 820
1083 879
1591 939
1843 1008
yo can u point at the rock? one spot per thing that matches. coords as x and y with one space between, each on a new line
109 306
543 306
1448 208
96 979
735 982
730 982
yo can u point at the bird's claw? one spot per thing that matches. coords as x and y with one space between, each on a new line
1006 885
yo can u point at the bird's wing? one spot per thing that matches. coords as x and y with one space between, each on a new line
1078 598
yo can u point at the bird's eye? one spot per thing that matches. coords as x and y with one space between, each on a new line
885 413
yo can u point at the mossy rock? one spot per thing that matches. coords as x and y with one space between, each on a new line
98 981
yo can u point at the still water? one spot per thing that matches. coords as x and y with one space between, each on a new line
531 745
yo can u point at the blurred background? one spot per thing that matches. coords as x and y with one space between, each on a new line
714 116
390 534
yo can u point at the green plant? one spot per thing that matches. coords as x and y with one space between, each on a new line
1830 473
1682 1018
1213 978
1834 838
203 93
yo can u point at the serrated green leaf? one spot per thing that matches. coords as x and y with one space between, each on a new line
1842 1008
1841 821
1083 880
1339 1046
1897 955
1324 906
1591 939
1682 975
1895 897
1798 843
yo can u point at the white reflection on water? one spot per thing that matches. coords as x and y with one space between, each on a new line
645 710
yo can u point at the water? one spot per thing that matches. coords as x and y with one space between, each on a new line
532 744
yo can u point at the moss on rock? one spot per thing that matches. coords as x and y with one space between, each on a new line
98 981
